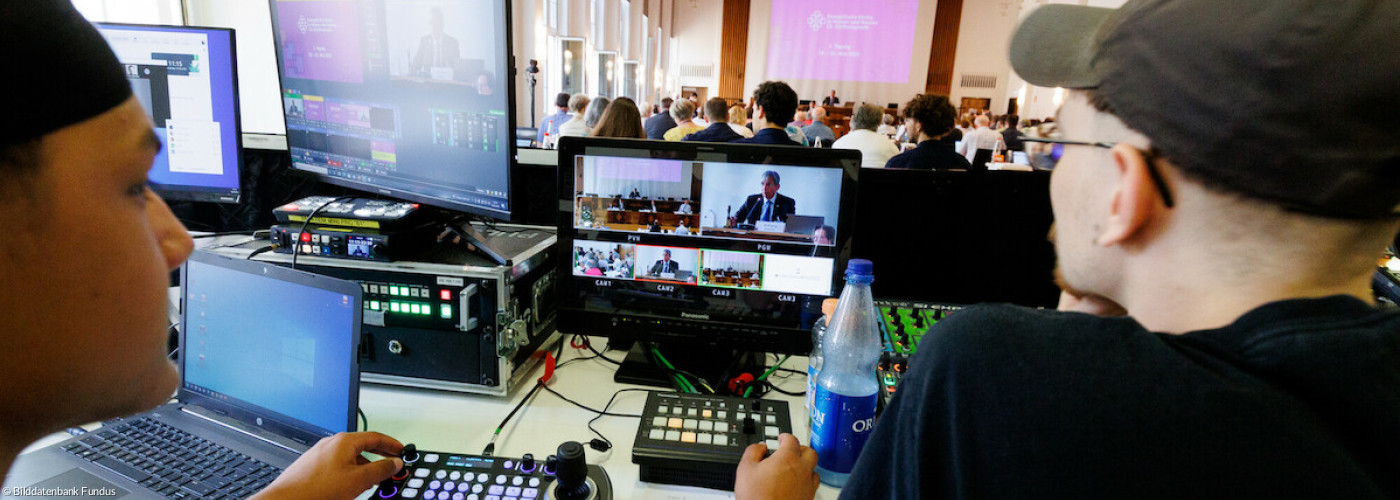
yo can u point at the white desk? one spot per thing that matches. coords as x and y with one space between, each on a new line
463 423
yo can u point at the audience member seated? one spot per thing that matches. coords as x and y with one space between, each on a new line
719 130
661 122
620 119
685 207
799 119
616 204
682 112
575 127
738 121
681 228
594 112
635 194
875 149
774 103
1012 135
654 226
886 128
818 129
549 126
928 117
983 138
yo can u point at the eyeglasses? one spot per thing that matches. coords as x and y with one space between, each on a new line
1047 157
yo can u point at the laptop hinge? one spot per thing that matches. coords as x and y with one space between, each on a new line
217 419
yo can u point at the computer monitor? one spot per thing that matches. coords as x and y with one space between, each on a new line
701 246
958 237
400 98
187 79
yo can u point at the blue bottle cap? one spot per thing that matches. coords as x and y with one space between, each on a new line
860 266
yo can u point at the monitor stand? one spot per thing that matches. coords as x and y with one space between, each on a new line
710 362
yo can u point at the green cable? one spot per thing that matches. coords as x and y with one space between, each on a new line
685 384
765 375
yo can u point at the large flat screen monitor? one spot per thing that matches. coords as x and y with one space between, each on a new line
958 237
186 78
702 245
402 98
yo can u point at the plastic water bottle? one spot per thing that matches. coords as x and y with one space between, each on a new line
843 411
814 361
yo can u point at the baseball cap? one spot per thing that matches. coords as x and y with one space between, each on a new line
61 70
1292 102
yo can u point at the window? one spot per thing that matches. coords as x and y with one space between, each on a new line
631 80
607 74
571 67
132 11
624 28
551 14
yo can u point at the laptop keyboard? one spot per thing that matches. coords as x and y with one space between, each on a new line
173 462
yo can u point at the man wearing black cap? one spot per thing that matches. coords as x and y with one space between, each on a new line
1217 337
87 253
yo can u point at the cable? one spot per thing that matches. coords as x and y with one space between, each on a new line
764 377
231 233
364 421
595 418
550 367
264 250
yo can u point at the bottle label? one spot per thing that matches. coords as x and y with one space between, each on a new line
840 426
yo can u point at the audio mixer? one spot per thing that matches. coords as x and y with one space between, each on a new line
904 324
433 475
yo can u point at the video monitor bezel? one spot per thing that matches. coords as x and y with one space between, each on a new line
678 322
509 148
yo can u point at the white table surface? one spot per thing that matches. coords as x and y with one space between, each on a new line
462 423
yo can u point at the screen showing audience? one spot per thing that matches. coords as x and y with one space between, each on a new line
405 95
728 230
184 78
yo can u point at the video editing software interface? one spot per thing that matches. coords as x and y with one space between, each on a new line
403 98
298 335
704 239
185 78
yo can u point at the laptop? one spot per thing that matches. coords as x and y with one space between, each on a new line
803 224
268 366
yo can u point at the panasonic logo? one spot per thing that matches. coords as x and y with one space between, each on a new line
694 316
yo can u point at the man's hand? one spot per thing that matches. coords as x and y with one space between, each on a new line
334 469
790 473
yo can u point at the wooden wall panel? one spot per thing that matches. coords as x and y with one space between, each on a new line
734 46
946 22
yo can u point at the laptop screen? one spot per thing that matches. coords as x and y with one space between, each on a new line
271 343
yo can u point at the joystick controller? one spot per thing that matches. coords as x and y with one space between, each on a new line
572 474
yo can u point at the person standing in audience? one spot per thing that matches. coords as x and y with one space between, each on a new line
1218 336
875 149
661 122
927 118
773 105
831 100
549 126
982 138
818 129
575 127
682 111
738 119
87 333
620 119
719 130
594 112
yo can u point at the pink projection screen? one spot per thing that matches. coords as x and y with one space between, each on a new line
842 40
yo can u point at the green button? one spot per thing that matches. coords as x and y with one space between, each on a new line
446 311
417 309
394 306
374 305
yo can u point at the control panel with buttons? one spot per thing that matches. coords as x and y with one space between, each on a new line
432 475
697 440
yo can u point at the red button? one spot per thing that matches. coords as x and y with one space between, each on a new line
446 295
306 237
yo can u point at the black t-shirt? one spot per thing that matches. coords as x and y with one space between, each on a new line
1295 399
930 154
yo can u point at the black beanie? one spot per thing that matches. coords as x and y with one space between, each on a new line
62 70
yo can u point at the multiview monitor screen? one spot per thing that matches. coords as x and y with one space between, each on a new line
708 243
186 79
407 99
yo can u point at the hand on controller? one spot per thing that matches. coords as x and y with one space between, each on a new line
789 473
334 469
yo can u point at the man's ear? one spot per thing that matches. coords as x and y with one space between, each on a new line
758 112
1135 201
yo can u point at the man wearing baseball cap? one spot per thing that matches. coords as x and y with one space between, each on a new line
1225 180
88 249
